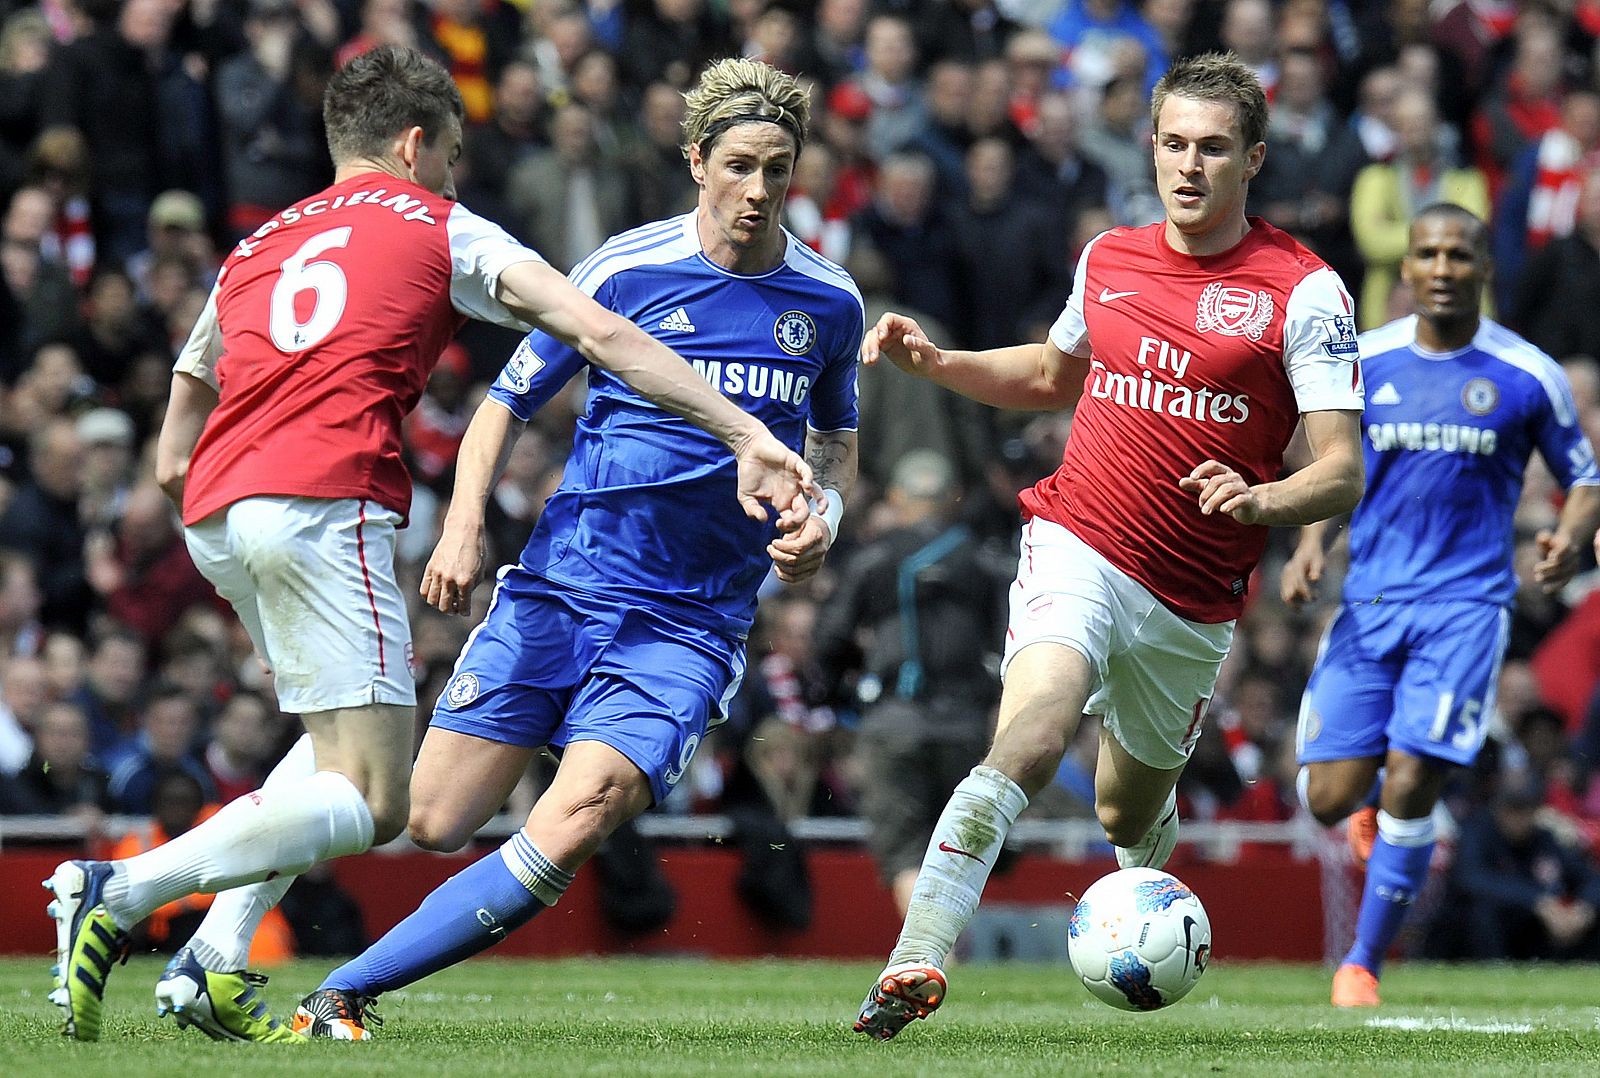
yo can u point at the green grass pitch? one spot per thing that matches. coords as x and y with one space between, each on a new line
649 1018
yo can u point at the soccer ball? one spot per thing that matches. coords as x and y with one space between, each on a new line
1139 939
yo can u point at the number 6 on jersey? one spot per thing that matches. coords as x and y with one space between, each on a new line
299 273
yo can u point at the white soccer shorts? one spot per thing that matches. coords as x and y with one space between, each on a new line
313 581
1154 672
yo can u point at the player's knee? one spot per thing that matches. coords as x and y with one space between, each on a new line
1330 803
433 830
1030 754
1122 827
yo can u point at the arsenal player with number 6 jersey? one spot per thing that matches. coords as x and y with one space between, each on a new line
282 443
1189 351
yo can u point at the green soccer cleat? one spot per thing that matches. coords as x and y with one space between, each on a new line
88 943
223 1006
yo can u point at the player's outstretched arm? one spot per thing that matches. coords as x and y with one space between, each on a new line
454 568
189 405
1330 485
832 455
770 473
1575 530
1025 377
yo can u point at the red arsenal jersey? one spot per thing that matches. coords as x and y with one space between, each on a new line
323 328
1191 359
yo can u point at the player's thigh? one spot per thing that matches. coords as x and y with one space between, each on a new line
1158 687
1446 690
458 782
333 620
1348 701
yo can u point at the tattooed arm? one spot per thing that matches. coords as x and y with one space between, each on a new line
832 457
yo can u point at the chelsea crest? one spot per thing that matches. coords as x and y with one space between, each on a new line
795 332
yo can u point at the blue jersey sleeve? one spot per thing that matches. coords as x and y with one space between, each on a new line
1561 440
834 398
536 371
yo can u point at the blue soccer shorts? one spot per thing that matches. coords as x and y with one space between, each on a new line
550 666
1416 676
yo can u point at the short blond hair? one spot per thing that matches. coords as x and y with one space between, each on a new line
738 90
1220 77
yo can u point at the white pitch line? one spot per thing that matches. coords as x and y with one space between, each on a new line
1451 1024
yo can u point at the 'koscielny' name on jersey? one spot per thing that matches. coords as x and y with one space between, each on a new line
405 207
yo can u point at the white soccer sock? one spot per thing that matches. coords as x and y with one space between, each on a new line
257 837
222 942
960 854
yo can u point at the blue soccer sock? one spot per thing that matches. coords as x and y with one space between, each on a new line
1396 872
470 912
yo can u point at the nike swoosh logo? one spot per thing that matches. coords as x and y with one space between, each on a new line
1188 941
947 848
1106 295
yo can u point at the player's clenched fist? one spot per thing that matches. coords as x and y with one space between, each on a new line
1220 489
901 341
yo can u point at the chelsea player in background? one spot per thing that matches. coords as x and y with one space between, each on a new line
1405 682
619 636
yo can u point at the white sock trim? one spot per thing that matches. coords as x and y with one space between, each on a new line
1406 833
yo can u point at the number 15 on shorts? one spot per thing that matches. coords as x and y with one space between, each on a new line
1460 727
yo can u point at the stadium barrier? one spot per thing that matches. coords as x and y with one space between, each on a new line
1263 885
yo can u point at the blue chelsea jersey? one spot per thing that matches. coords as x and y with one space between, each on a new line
646 512
1446 441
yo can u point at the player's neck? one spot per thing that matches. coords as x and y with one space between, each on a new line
364 167
1225 237
748 261
1446 335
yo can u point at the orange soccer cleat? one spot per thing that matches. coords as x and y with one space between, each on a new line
1354 986
1362 831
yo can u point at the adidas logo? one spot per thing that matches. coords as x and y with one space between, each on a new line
1386 394
678 322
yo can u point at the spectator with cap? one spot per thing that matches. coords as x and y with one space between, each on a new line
108 458
912 616
174 227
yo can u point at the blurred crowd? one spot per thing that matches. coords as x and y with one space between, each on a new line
962 153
